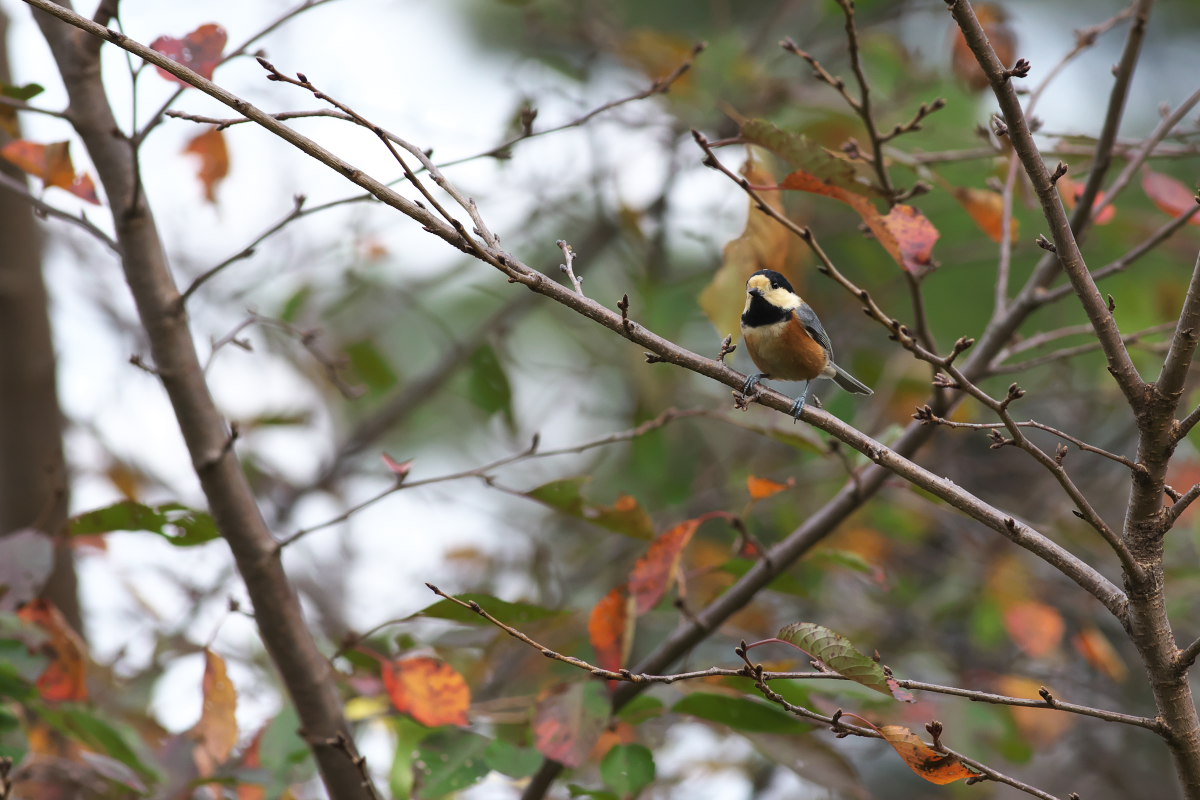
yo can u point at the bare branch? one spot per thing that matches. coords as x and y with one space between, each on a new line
44 209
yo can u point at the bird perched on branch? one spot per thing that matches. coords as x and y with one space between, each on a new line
786 340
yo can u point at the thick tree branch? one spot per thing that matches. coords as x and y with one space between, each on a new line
1069 255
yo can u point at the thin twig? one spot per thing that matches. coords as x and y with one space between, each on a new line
1071 352
568 267
43 208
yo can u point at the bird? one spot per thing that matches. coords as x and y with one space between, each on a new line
786 340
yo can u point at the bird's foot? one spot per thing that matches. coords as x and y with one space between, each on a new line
751 382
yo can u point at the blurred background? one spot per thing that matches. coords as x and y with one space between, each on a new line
448 365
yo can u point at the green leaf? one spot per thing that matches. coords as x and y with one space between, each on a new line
370 366
513 761
640 709
26 92
178 524
837 653
79 723
625 516
802 152
487 384
740 713
285 756
295 304
514 614
628 768
450 760
409 735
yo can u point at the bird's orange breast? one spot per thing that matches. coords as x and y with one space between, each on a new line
785 350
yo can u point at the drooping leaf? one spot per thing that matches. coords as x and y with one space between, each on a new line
8 114
26 559
994 20
1072 190
52 163
568 721
1170 195
65 677
178 524
740 713
428 689
935 767
657 570
837 653
1035 627
762 488
213 152
625 516
488 384
987 209
763 244
1094 646
217 731
610 628
200 50
906 234
450 760
628 769
811 158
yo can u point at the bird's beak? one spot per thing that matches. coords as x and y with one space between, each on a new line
755 292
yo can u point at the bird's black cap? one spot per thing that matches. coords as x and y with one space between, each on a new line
776 279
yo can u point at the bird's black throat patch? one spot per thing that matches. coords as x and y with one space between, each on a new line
762 313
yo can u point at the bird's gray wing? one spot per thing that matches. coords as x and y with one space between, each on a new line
816 330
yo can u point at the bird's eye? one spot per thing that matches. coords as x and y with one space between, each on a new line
774 285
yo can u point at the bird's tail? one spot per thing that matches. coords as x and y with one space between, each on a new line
849 382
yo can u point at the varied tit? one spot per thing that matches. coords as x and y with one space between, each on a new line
786 340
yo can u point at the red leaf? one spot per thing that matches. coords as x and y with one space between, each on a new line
1035 627
987 209
200 50
428 689
65 678
399 468
935 767
568 722
1071 192
214 160
904 232
654 572
52 163
610 628
1170 195
994 21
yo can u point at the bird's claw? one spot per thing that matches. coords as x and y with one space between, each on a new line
751 382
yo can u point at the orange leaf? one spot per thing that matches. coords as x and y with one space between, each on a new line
762 488
1170 195
65 678
1071 191
1035 627
569 720
987 209
763 243
217 730
428 689
994 21
654 572
1099 652
610 628
52 163
200 50
214 160
935 767
1042 726
904 232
